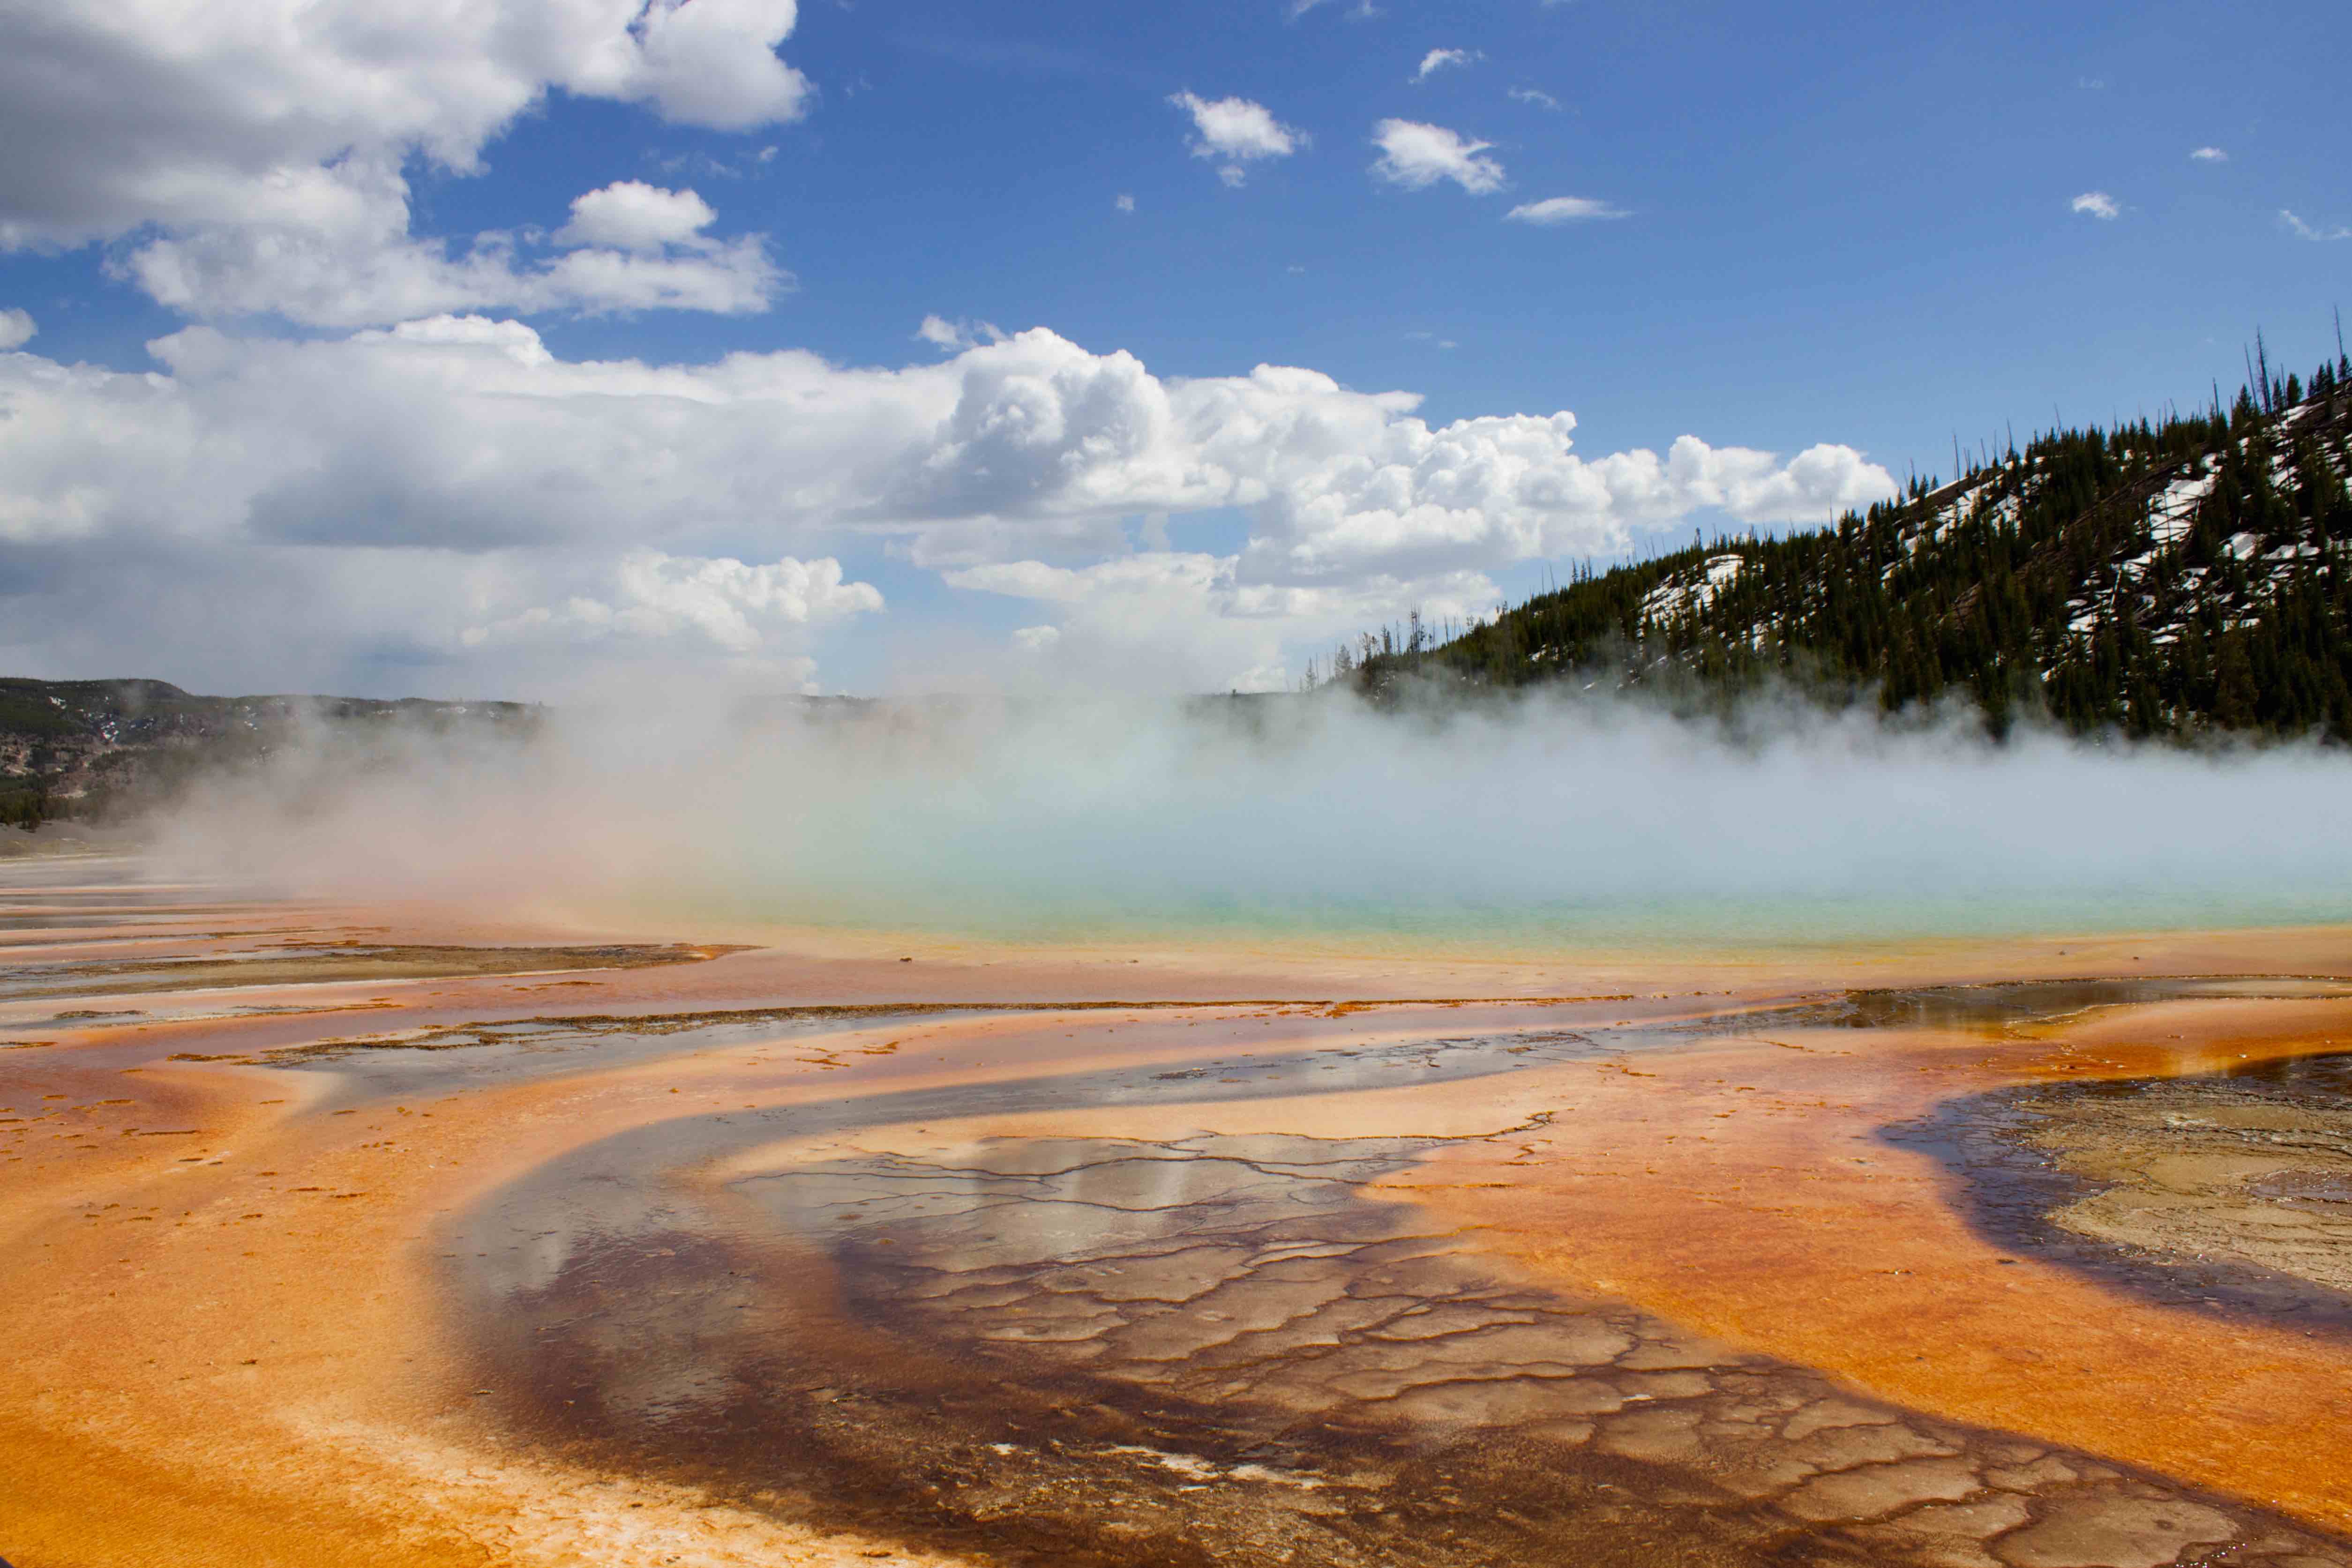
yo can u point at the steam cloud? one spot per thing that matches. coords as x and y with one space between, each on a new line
1543 818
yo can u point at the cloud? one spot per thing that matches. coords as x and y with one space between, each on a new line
1124 201
2302 230
136 111
1533 95
710 63
255 501
262 146
338 254
1438 59
466 434
1193 615
729 603
731 279
2210 155
1556 210
1238 132
1359 488
954 336
17 329
2098 205
1417 156
631 216
745 163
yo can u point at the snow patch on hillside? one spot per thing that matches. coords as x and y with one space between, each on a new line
2174 511
1682 593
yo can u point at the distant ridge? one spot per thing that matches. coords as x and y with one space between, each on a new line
2185 579
81 748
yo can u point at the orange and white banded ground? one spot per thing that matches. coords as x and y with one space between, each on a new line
402 1235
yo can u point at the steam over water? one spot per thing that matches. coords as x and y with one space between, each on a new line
1537 822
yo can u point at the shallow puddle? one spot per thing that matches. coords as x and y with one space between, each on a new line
2000 1004
2228 1192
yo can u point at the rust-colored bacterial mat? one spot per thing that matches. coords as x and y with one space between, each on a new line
475 1245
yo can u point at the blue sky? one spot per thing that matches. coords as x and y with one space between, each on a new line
1844 232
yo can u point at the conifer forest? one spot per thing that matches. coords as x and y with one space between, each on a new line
2180 578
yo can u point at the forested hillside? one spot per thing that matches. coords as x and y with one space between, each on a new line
2177 577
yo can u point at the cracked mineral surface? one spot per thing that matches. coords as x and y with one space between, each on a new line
1216 1349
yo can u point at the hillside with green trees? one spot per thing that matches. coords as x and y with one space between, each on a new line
2179 579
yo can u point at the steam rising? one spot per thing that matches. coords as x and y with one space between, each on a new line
1537 820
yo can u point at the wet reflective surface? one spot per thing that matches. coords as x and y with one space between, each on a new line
2229 1192
2001 1004
1211 1348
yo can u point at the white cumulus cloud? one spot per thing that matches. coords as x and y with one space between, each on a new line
954 336
345 258
466 434
261 146
629 215
1417 156
382 494
1235 132
1360 486
732 604
2210 155
17 328
1193 615
2097 205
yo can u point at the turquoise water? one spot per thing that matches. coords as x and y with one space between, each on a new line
1540 826
1010 911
